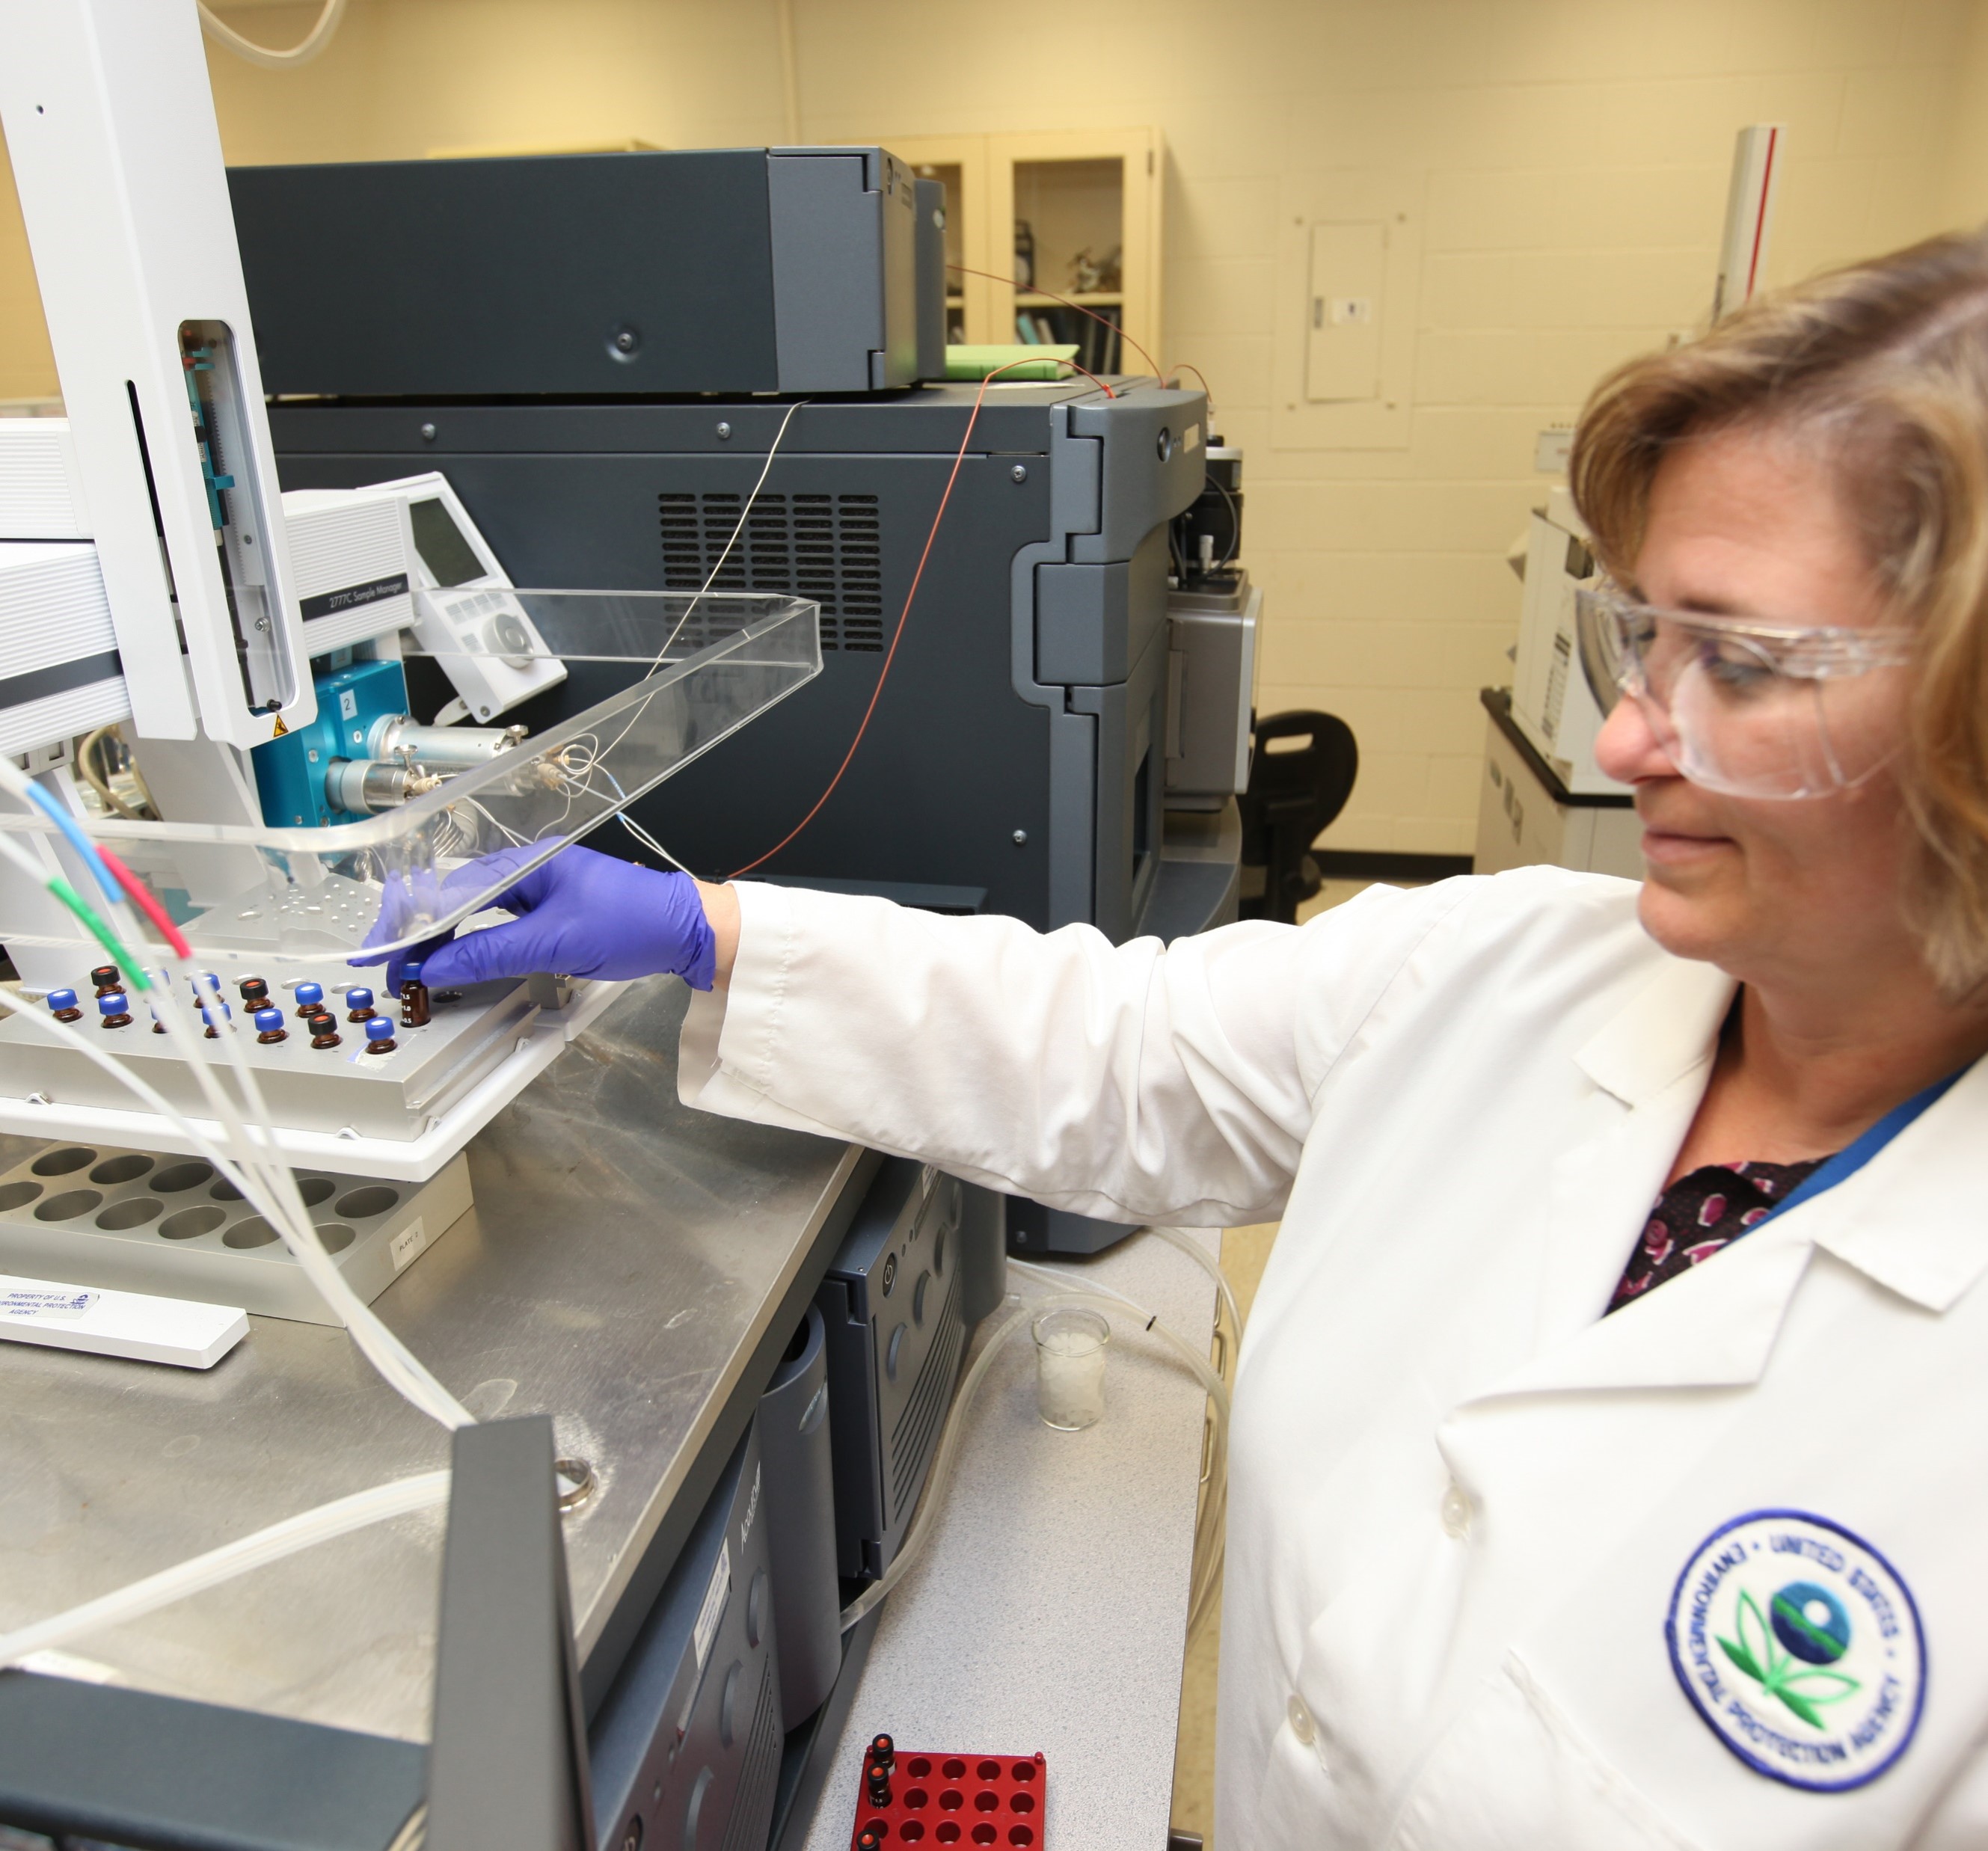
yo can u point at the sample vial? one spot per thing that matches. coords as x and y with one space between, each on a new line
107 976
1070 1344
413 996
310 999
215 1023
115 1010
379 1035
62 1005
324 1027
883 1752
254 993
269 1026
361 1000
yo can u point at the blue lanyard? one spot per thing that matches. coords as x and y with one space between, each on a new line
1854 1156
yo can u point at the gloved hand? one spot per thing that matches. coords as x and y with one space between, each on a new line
582 914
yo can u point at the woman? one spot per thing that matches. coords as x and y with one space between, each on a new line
1558 1520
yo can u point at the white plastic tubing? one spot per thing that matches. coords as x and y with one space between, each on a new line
223 1564
1091 1297
252 1165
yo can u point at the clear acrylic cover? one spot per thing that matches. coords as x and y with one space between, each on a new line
264 896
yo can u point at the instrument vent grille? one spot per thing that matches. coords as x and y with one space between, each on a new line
826 547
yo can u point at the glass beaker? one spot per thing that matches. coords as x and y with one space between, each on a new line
1070 1344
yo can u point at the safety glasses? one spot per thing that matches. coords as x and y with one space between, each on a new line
1749 709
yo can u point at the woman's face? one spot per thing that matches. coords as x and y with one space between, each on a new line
1744 524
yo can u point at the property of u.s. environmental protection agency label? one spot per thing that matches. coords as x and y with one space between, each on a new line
1801 1647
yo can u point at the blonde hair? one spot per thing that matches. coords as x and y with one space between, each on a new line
1886 364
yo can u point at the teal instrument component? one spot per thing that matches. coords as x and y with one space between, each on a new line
290 772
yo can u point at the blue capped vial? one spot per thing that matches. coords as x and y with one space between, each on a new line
269 1026
379 1035
114 1009
215 1020
310 999
62 1004
361 998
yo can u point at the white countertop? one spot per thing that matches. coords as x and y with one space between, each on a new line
1049 1611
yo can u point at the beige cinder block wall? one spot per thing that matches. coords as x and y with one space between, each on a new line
1571 157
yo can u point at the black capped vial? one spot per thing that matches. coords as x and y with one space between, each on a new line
269 1027
62 1005
254 993
380 1036
112 1005
360 1000
323 1028
883 1752
310 1000
879 1785
107 976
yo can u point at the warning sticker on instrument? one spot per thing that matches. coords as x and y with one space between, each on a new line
714 1597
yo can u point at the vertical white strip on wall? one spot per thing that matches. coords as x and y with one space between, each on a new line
1757 159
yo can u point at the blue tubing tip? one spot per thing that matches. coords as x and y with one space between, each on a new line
379 1028
62 999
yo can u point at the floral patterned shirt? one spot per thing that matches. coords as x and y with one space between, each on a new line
1701 1214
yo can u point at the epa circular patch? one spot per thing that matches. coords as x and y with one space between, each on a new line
1801 1647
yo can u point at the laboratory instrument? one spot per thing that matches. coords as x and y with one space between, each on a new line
1107 718
734 270
1544 799
796 1445
1214 614
1040 632
893 1303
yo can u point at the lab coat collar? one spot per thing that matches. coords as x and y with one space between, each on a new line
1911 1217
1655 1056
1670 1029
1909 1220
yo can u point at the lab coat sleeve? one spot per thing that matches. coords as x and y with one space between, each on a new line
1137 1083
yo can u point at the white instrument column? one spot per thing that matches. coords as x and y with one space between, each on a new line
110 122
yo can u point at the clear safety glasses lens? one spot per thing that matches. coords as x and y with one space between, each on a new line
1741 709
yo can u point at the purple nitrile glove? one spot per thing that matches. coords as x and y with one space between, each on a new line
582 914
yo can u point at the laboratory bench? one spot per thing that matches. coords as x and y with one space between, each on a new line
633 1269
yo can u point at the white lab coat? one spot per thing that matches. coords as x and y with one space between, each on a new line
1461 1500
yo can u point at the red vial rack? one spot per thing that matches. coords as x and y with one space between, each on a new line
968 1800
